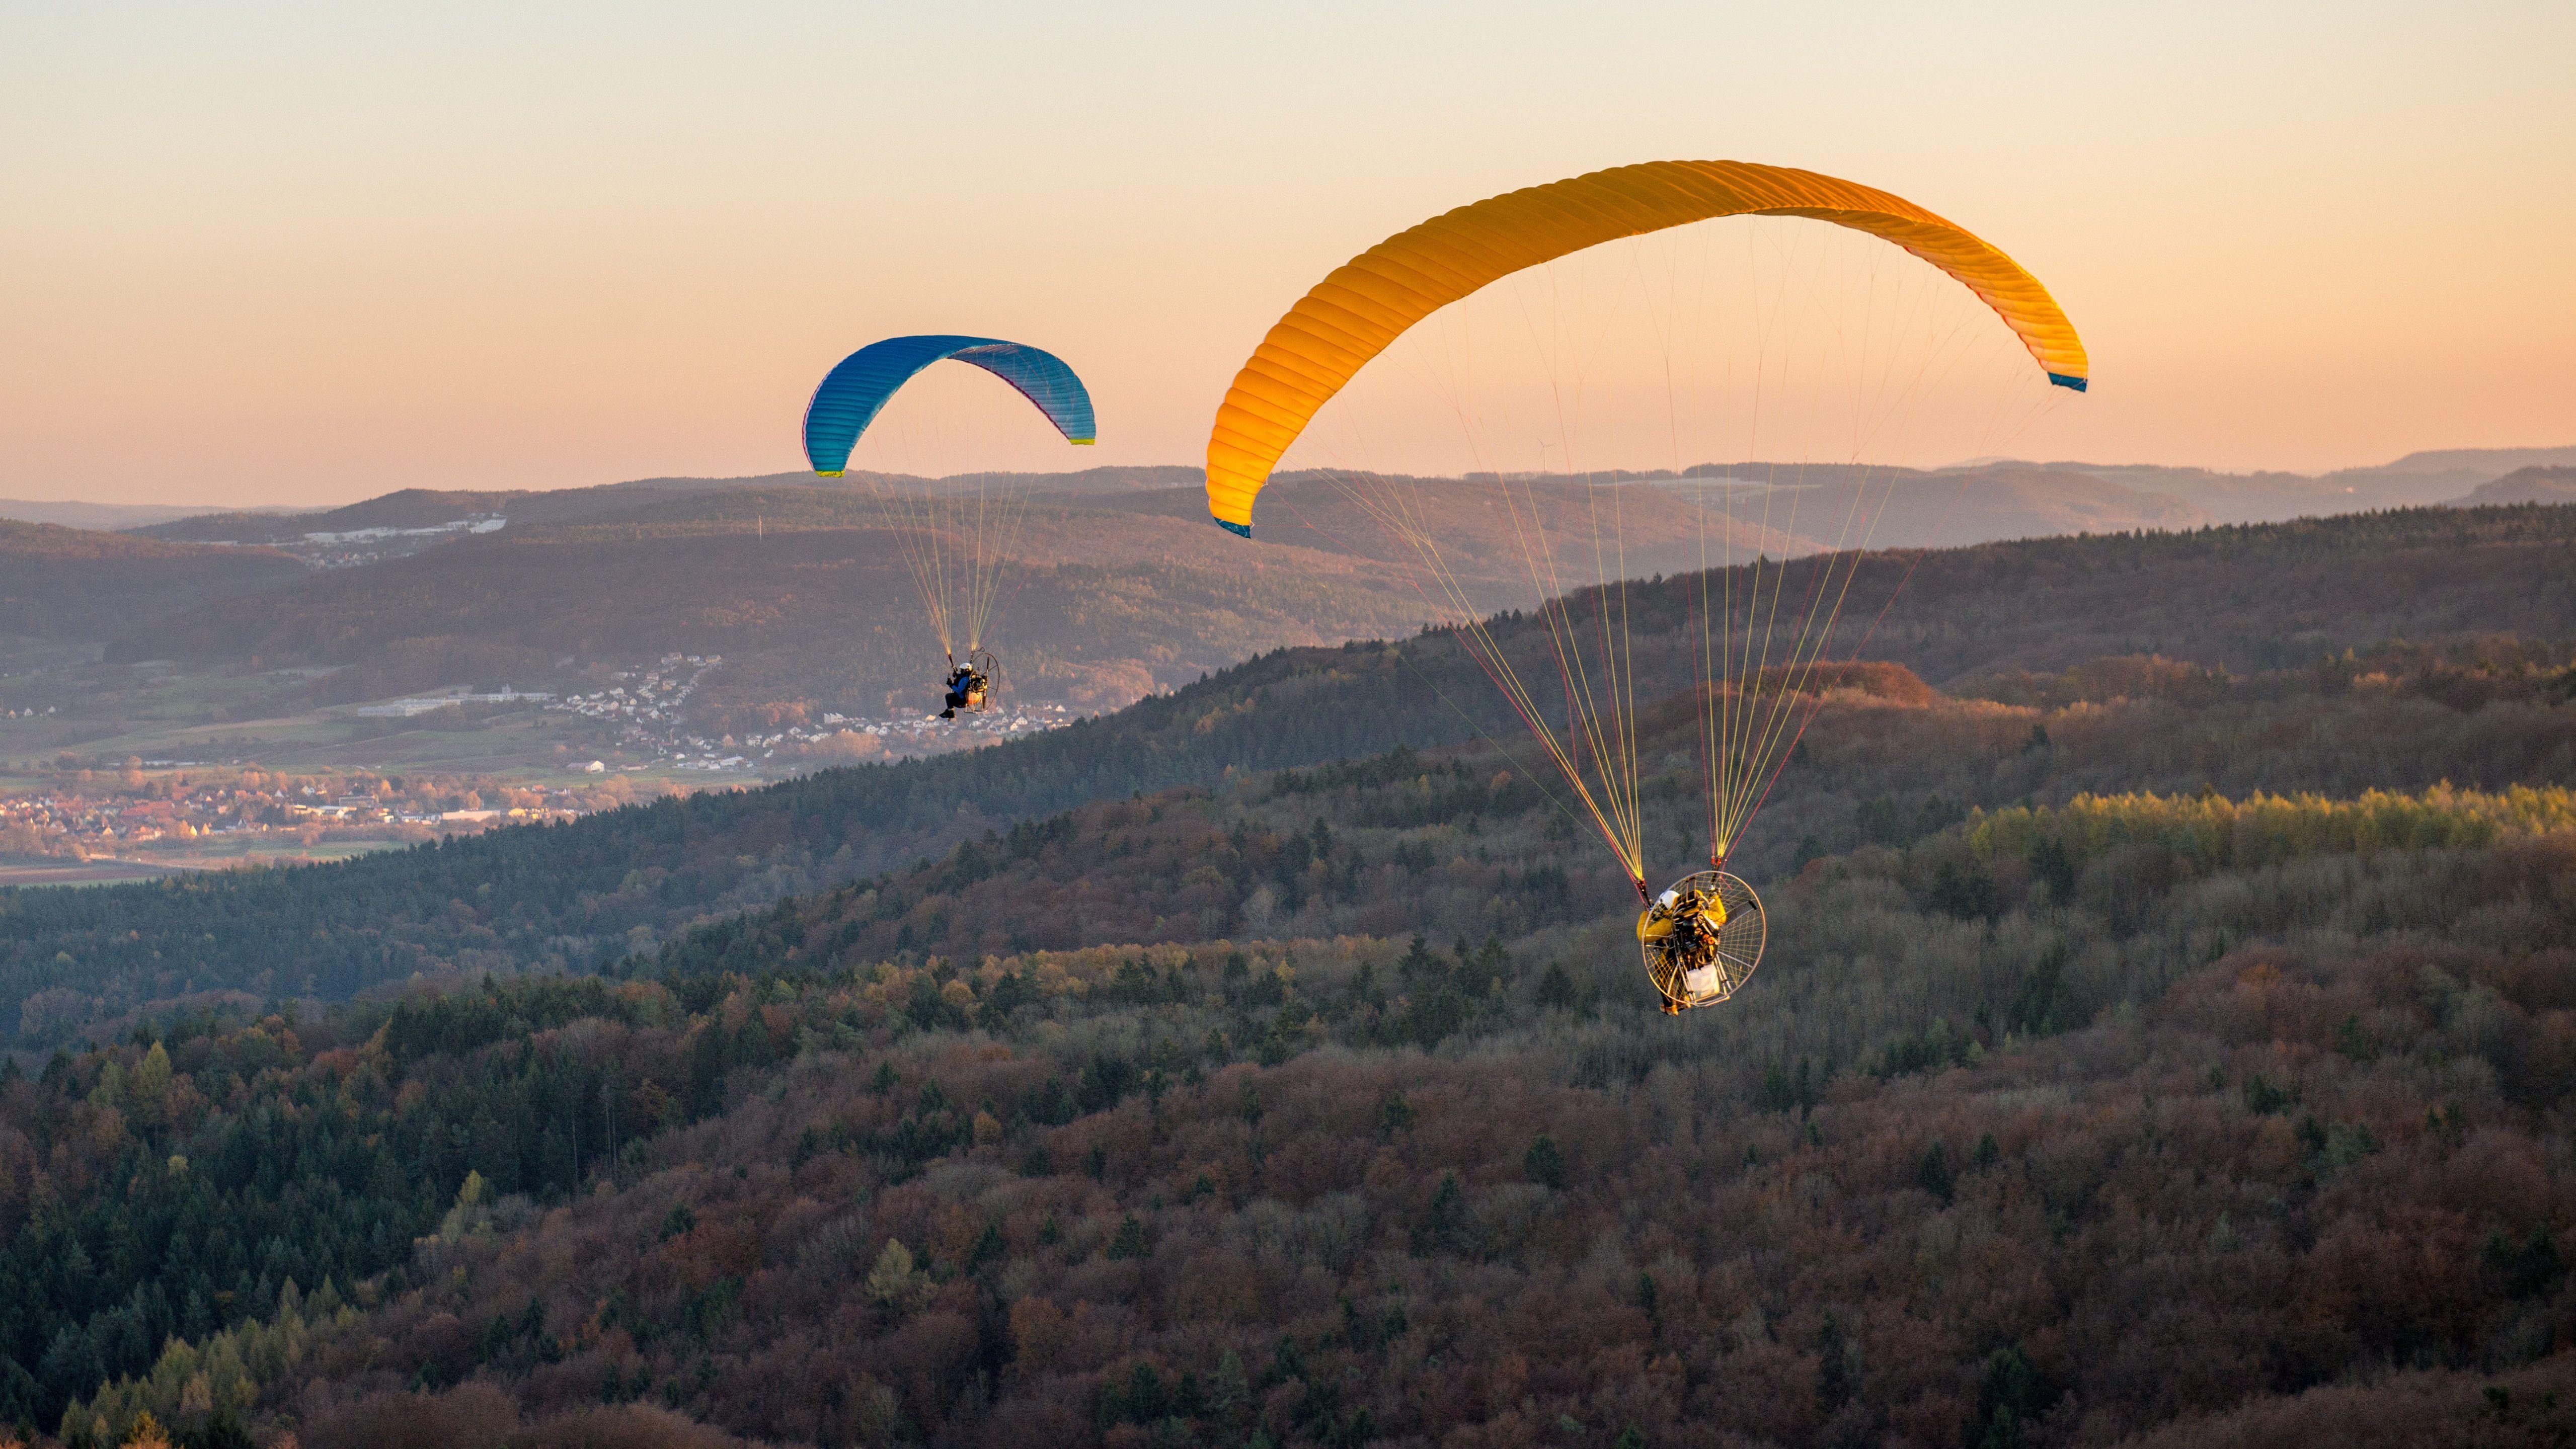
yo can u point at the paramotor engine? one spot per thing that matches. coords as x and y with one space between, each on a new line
971 684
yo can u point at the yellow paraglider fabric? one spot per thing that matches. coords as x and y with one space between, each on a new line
1353 315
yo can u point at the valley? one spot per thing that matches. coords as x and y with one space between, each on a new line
255 638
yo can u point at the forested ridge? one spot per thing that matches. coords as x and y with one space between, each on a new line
2002 620
83 584
1468 841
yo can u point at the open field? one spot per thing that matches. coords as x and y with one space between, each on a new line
165 715
41 871
209 855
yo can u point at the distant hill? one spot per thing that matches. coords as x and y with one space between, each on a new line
1084 482
804 591
2526 485
1119 588
109 516
78 584
805 594
406 508
1485 535
2416 480
429 507
1945 510
2235 497
1923 510
2015 499
2500 460
1780 507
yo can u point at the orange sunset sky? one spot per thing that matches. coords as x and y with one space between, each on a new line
268 253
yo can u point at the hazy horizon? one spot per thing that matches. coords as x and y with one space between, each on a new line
222 505
323 504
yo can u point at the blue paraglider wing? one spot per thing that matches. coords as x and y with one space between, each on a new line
853 393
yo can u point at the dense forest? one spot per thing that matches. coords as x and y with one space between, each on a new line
2252 692
2215 1119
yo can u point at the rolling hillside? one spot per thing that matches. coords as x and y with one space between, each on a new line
74 513
2017 623
431 507
1785 508
2525 485
1120 586
428 507
2413 481
804 591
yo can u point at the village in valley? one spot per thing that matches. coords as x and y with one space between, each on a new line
94 799
159 816
647 704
